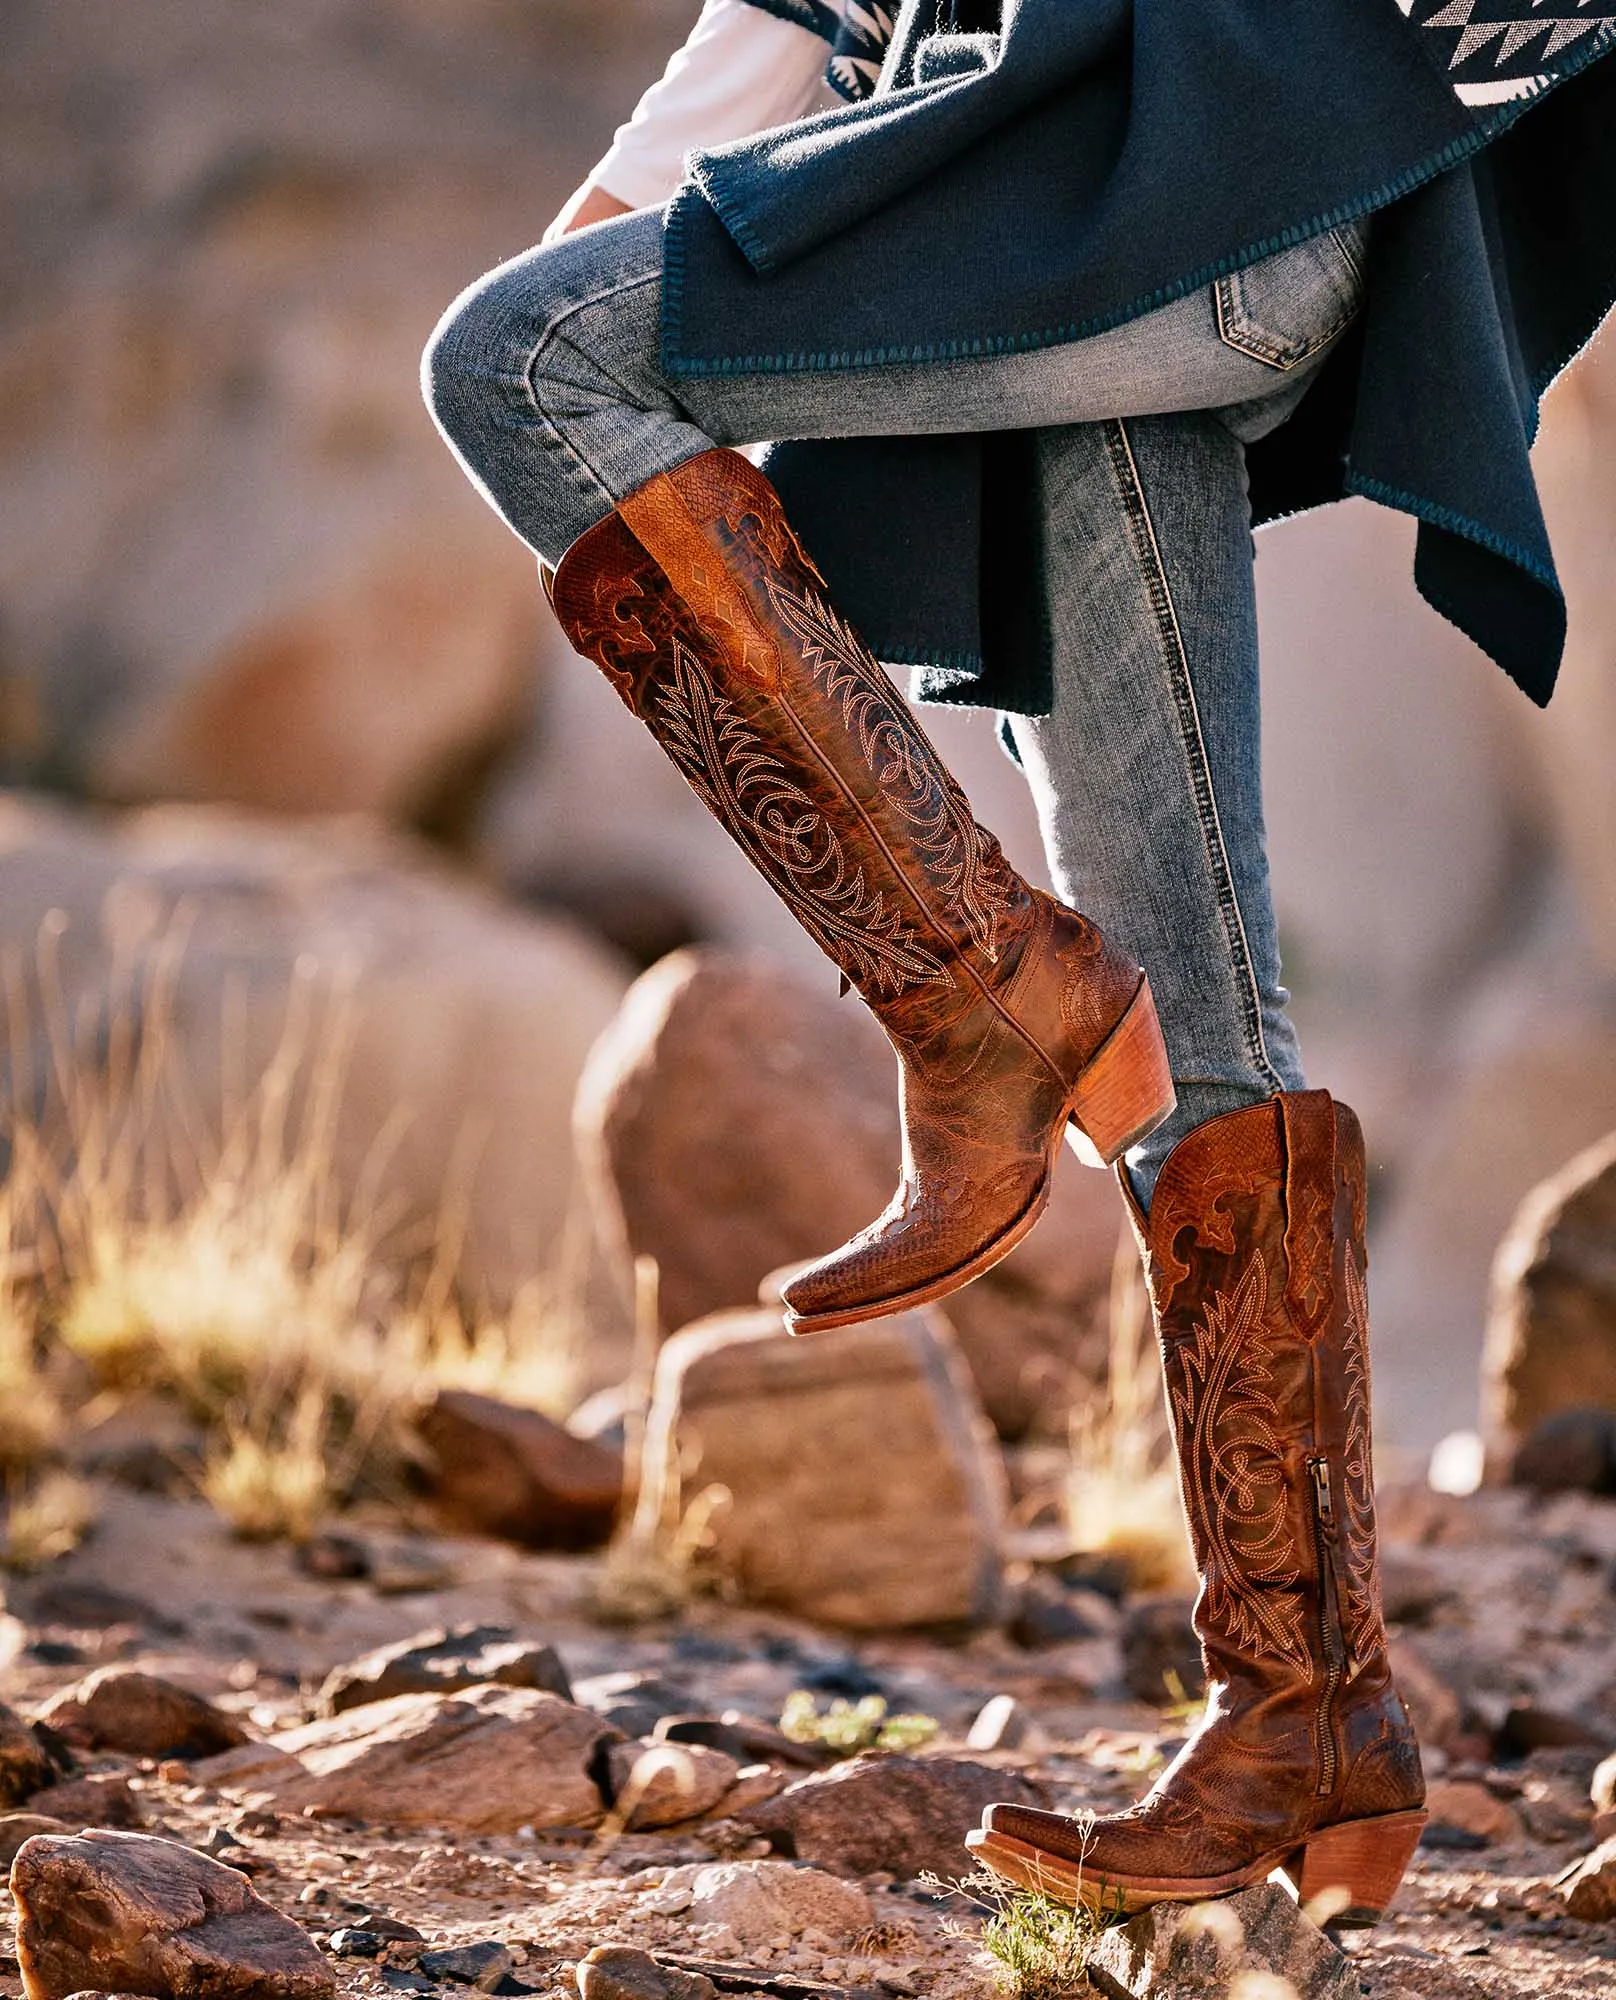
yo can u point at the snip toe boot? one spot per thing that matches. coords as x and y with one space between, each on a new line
1305 1759
1012 1019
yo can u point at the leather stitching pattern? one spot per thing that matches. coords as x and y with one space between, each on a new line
964 862
1362 1608
746 788
1234 1467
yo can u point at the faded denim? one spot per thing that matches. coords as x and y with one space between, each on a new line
545 378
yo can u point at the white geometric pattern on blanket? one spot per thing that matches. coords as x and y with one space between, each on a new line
1498 50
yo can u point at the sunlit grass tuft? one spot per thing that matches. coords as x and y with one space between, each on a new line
46 1521
1122 1493
1040 1946
226 1270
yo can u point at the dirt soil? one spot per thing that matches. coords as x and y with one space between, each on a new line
1508 1608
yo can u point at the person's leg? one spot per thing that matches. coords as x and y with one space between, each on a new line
545 376
547 379
1147 772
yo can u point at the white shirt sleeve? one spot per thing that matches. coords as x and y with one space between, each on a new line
742 71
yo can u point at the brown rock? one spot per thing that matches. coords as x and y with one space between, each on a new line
661 1784
500 1470
753 1784
1472 1809
862 1485
126 1912
488 1760
103 1799
245 1769
1591 1892
15 1828
1573 1451
1213 1950
907 1815
1161 1656
142 1715
1551 1331
24 1766
1436 1709
439 1662
633 1703
735 1120
622 1972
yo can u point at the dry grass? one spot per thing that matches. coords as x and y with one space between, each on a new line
225 1269
1122 1493
1041 1947
47 1520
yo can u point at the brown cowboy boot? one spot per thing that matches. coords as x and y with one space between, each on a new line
1305 1759
1010 1015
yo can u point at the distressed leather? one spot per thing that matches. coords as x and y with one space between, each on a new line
1254 1252
699 604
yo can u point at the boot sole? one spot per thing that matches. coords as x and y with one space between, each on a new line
1351 1871
1104 1116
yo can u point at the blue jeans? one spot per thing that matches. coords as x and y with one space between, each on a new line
545 379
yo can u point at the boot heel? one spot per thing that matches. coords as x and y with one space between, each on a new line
1126 1089
1362 1861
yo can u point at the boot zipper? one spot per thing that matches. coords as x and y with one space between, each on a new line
1329 1619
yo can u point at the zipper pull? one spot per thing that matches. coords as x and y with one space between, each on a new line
1323 1505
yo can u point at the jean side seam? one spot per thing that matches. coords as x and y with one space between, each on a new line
550 333
1170 634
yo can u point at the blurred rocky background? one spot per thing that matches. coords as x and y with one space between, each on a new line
407 1095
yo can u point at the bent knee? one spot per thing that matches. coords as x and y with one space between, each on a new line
471 354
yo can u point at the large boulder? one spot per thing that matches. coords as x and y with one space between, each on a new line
1525 1080
279 589
734 1120
126 1913
1551 1329
437 1032
856 1480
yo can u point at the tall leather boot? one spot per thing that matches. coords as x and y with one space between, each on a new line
1011 1017
1305 1759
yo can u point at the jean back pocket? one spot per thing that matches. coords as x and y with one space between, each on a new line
1284 308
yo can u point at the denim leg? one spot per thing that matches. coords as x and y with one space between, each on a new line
1147 774
546 376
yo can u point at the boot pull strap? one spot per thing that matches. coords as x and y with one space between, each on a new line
1310 1168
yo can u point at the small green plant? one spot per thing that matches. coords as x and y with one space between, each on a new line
1041 1947
848 1727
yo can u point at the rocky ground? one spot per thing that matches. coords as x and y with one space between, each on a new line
445 1842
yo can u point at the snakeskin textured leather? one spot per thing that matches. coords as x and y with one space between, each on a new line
699 604
1254 1251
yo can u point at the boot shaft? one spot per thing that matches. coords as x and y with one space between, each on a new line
700 605
1254 1252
